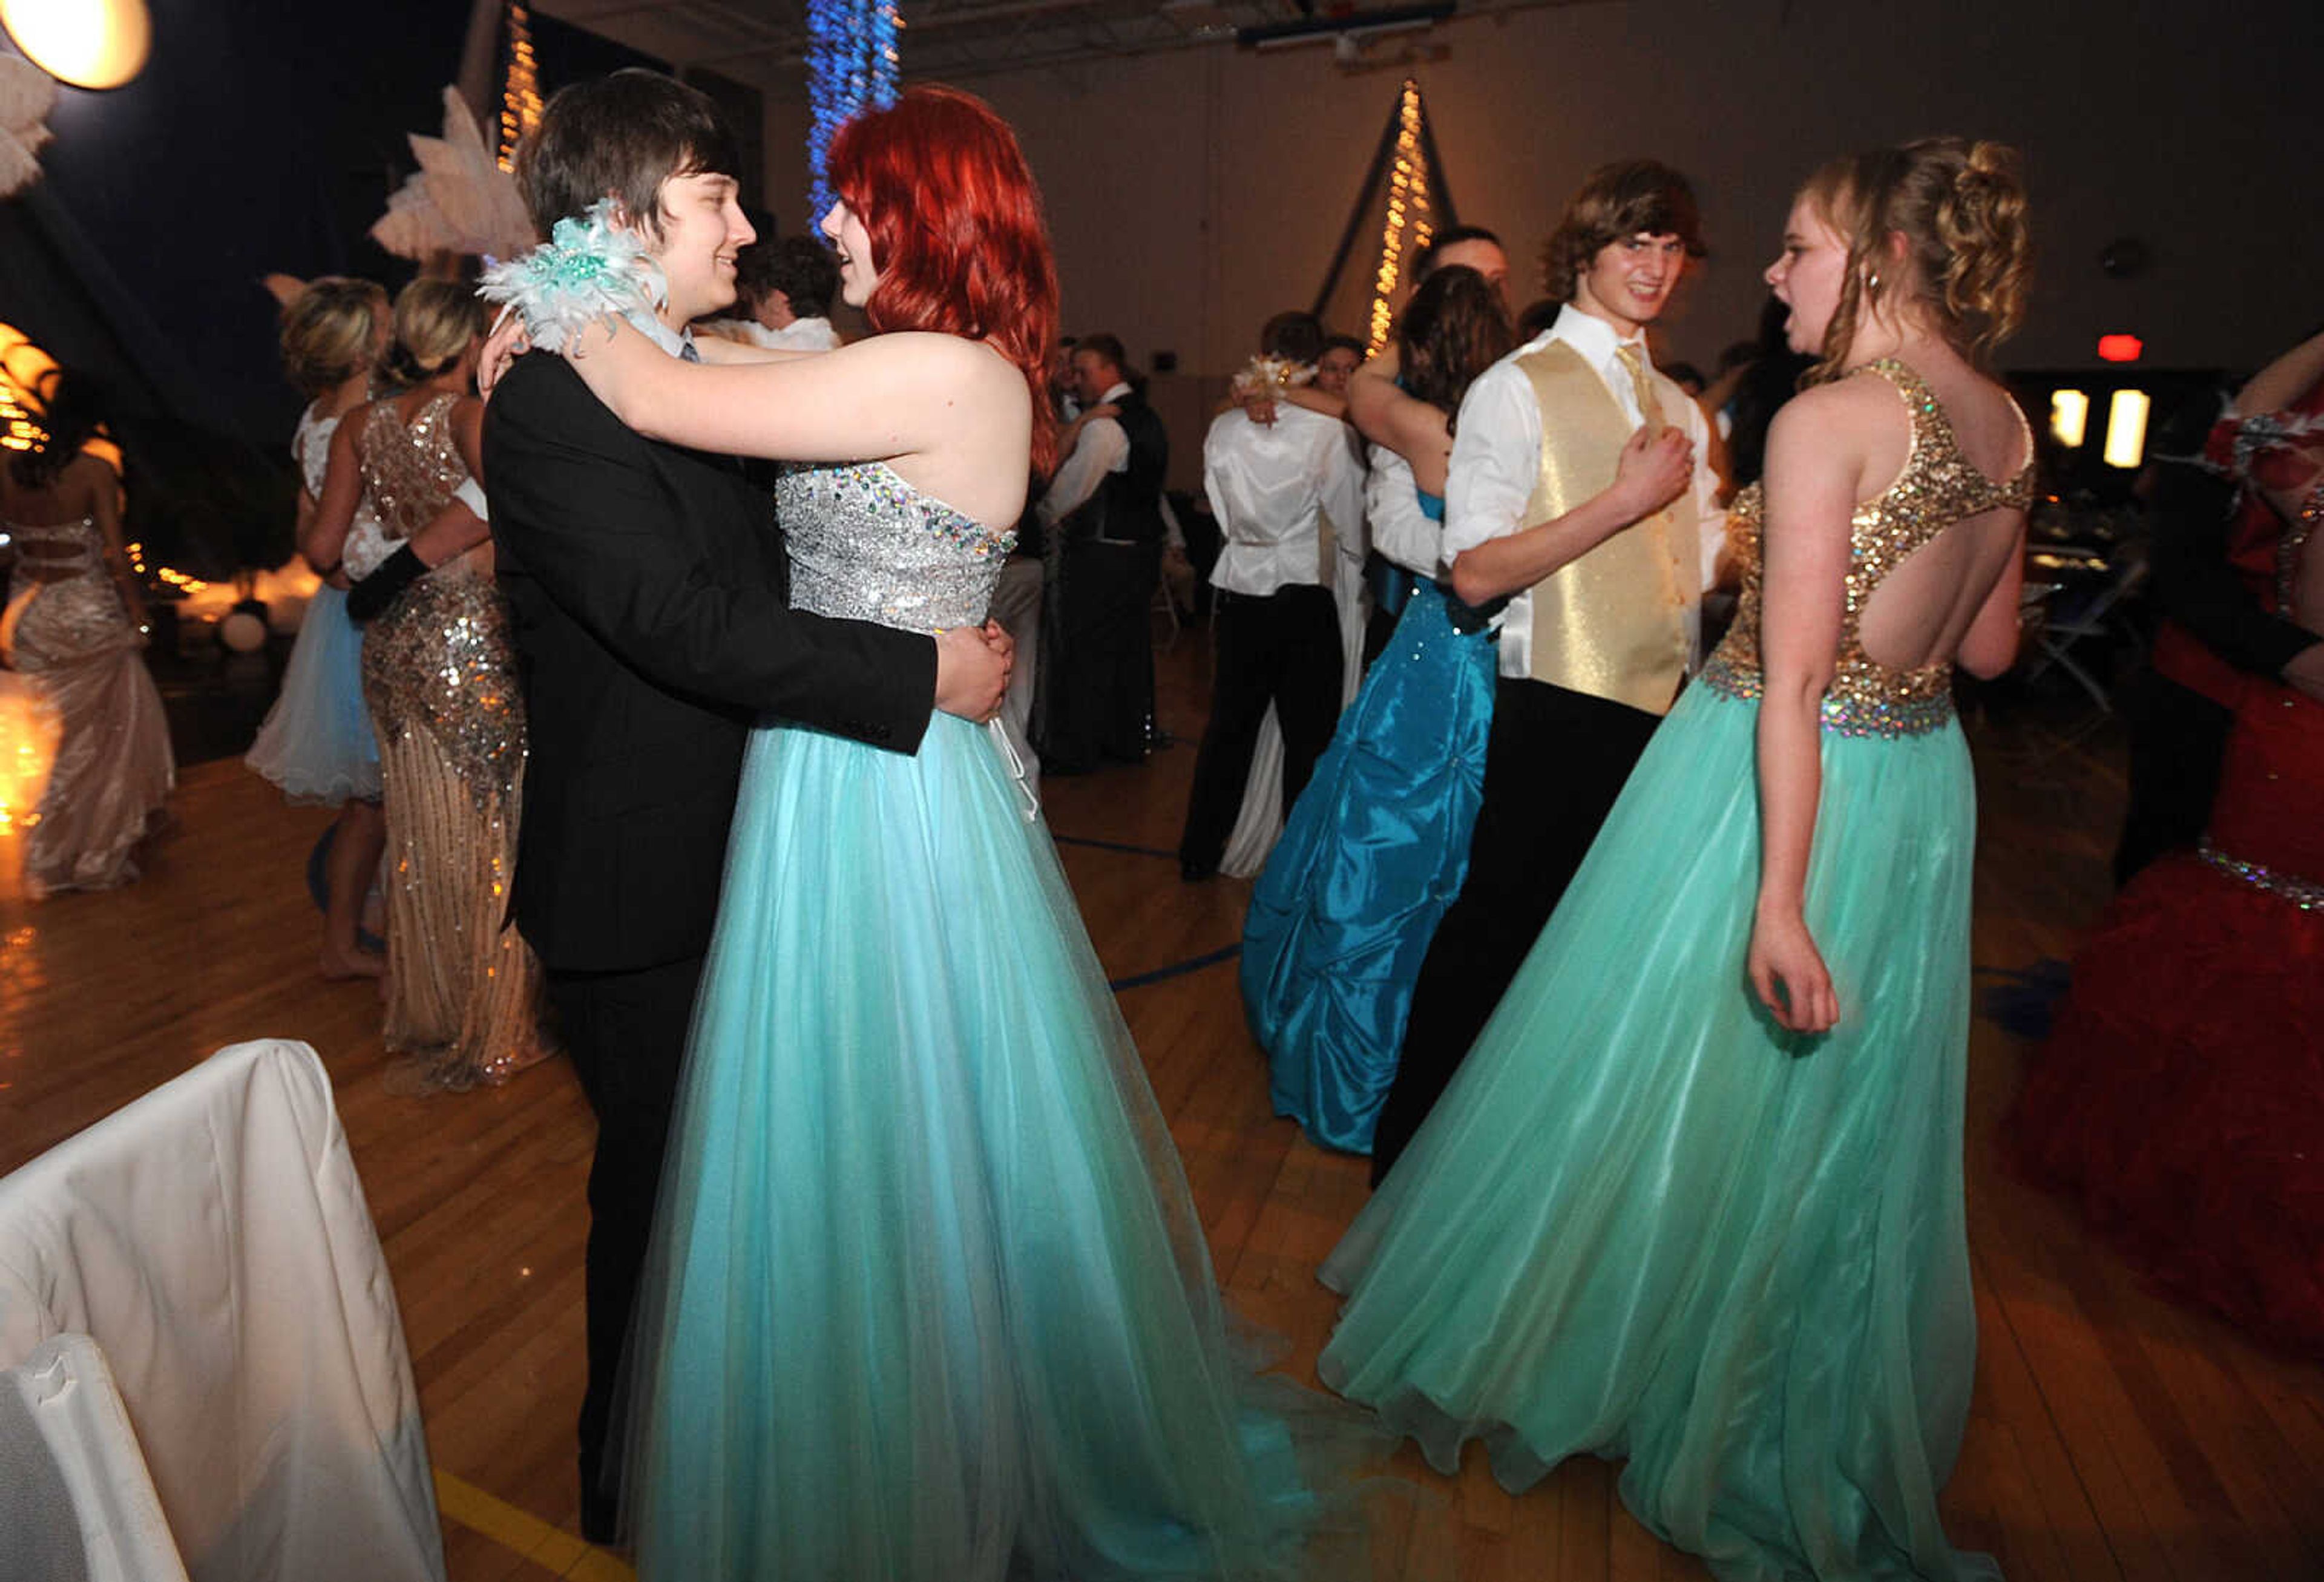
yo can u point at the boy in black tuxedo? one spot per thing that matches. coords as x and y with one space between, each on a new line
648 591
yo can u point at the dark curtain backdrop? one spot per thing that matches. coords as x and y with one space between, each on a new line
262 136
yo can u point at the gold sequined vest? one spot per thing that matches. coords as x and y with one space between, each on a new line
1937 487
1612 622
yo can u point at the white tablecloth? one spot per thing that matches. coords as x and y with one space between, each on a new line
213 1239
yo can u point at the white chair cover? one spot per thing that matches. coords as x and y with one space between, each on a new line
76 1502
213 1239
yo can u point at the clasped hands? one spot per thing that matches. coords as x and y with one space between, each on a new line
973 663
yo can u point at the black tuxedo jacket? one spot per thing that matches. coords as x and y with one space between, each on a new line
647 590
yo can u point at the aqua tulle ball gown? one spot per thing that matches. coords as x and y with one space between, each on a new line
1645 1222
928 1298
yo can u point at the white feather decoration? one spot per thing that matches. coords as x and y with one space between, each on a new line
27 93
588 270
459 200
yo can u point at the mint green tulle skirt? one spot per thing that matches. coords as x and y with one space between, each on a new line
928 1298
1647 1223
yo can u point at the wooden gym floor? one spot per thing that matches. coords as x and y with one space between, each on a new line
2115 1435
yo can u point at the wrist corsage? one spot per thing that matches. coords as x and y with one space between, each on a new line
589 270
1269 376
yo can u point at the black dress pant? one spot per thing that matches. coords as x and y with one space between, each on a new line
1097 659
626 1032
1554 762
1281 648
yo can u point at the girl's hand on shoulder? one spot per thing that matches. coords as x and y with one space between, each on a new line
503 347
1789 976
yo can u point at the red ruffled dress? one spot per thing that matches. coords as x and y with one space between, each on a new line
2181 1097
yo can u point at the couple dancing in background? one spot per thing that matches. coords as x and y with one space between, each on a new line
1693 1198
927 1296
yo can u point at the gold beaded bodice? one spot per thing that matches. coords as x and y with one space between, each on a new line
409 470
1937 487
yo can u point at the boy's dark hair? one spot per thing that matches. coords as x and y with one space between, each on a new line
1296 337
1106 348
800 267
624 134
1537 318
1348 343
1424 263
1634 198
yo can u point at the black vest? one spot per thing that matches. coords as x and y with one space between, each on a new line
1127 506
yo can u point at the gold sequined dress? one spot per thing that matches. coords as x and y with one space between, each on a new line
439 675
1645 1223
65 632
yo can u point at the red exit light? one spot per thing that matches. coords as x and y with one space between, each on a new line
2120 348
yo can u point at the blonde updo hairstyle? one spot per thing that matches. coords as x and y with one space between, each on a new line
435 321
1968 256
331 331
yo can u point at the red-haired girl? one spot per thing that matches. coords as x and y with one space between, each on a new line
929 1298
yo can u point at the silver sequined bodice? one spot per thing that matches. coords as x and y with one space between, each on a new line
867 546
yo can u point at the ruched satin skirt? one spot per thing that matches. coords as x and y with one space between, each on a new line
1374 851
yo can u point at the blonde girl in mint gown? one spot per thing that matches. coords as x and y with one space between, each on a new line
1694 1200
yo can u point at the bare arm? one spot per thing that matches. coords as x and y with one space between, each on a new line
1386 416
1315 400
1654 469
889 396
323 535
104 505
451 532
725 352
468 435
1811 484
2283 380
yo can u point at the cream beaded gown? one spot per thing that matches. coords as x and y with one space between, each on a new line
439 677
65 629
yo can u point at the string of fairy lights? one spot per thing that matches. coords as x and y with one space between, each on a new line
1408 211
850 66
521 92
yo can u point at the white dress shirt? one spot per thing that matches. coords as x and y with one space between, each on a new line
1401 531
800 335
1272 486
1497 460
1102 446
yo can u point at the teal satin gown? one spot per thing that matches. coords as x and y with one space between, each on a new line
1374 851
1645 1222
928 1299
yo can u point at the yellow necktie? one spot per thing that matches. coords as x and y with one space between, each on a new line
1650 409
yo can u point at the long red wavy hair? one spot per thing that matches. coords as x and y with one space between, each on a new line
957 233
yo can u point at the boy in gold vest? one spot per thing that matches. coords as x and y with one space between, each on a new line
1580 505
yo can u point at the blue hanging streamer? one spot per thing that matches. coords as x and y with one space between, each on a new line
851 66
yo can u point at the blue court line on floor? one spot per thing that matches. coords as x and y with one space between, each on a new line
1113 846
1178 968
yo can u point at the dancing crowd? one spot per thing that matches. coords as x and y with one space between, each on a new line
1636 958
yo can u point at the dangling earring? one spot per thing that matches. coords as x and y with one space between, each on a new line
1872 282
